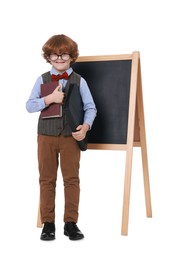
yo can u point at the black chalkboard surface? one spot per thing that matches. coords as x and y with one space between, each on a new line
109 83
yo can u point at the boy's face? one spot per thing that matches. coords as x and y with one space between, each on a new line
61 62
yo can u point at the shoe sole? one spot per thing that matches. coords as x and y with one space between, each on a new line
47 239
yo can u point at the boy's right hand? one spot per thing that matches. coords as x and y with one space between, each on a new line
56 96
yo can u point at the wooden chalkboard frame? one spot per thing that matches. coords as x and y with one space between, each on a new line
136 135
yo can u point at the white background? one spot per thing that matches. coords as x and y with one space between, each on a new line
99 28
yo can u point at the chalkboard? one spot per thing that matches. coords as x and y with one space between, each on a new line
109 83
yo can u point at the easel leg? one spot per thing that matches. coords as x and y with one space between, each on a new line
126 197
146 183
143 145
39 222
130 136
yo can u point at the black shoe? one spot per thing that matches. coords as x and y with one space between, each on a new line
72 231
48 232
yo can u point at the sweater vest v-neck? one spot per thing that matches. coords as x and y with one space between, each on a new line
59 125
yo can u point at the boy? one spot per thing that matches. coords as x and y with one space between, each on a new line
55 137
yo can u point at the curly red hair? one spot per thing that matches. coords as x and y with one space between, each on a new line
60 44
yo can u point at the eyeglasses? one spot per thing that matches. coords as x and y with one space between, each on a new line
63 56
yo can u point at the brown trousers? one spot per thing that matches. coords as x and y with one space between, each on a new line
50 149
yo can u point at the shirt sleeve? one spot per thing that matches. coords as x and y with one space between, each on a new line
35 103
89 107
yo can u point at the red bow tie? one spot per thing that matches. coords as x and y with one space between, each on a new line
59 76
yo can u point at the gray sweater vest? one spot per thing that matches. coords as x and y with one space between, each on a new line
57 126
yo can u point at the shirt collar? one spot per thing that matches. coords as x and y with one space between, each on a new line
54 71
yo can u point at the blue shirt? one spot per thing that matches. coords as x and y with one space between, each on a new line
35 103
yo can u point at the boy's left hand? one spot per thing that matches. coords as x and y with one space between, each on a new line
81 132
